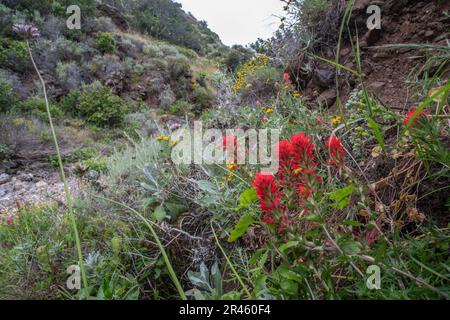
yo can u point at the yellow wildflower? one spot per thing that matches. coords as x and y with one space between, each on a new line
337 120
296 94
174 143
269 111
163 138
230 177
232 166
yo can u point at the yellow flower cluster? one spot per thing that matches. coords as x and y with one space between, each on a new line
248 68
232 167
166 139
163 138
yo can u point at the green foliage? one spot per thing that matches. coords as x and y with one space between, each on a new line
105 42
181 107
202 97
179 67
236 57
241 227
36 106
57 7
98 106
164 19
8 99
98 164
262 82
13 54
84 153
5 151
209 284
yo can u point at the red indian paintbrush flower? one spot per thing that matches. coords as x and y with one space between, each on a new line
304 192
284 151
267 191
302 146
419 116
335 149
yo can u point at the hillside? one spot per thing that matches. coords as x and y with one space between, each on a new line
94 124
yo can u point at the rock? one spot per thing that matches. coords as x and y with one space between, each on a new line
3 192
429 34
20 186
27 177
327 98
324 78
4 178
10 167
377 85
380 56
41 185
92 175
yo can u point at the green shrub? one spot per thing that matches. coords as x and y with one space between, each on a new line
8 99
152 50
202 97
36 107
105 42
97 164
69 102
181 107
179 67
100 107
262 82
85 153
6 151
13 54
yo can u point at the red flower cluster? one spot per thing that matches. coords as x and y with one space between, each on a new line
419 116
267 191
336 150
288 192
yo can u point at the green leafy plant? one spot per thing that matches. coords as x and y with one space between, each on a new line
100 107
105 42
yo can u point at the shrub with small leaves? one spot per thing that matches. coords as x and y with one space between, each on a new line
13 54
105 42
8 99
36 106
100 107
181 107
202 97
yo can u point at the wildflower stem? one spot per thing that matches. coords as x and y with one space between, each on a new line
230 264
170 269
340 250
63 175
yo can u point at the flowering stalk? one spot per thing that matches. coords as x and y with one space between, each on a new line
60 163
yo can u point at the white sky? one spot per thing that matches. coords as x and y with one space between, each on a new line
237 21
